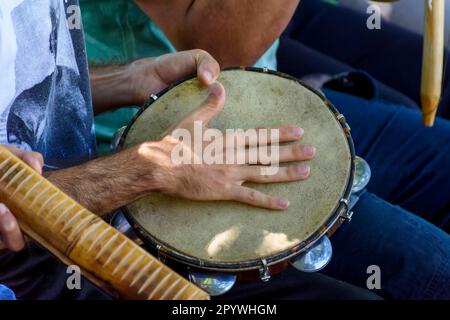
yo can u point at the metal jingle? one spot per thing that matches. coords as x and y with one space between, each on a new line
316 258
215 284
362 175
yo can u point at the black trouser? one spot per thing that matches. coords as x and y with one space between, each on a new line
33 274
295 285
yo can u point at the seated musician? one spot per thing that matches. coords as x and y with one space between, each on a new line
47 120
335 40
402 223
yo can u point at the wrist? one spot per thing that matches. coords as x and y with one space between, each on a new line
153 170
112 87
105 184
138 74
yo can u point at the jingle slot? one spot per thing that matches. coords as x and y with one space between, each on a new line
362 175
316 258
215 284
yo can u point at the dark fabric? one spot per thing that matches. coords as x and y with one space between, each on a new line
33 274
299 60
295 285
49 109
409 161
413 255
325 38
45 278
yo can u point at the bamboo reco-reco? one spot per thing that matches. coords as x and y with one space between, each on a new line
78 237
433 59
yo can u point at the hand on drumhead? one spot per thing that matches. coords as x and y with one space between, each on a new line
151 75
10 235
201 181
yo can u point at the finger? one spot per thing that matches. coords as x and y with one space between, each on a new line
268 155
9 229
210 107
258 199
264 136
264 174
208 68
33 159
3 246
296 152
173 66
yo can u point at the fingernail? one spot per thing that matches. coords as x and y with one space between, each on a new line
215 89
283 203
207 75
298 132
303 171
309 150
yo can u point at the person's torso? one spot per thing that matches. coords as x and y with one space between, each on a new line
45 102
118 31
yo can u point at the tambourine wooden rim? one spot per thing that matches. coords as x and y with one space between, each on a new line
172 253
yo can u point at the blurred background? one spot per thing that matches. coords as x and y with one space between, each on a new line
408 14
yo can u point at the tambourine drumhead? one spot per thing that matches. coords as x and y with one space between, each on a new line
228 233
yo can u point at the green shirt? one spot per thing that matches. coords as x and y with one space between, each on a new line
117 31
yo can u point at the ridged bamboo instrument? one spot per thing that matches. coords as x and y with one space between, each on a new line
78 237
433 59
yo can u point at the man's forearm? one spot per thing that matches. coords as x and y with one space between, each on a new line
235 32
107 183
111 87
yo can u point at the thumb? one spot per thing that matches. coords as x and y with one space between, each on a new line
208 109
